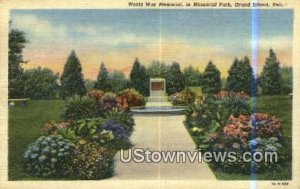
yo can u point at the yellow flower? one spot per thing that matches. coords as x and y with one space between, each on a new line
82 141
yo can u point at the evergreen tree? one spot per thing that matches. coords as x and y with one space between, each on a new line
240 76
286 79
102 82
157 70
270 76
174 80
72 81
16 44
192 76
139 78
117 81
211 80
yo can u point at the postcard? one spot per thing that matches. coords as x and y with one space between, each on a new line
149 94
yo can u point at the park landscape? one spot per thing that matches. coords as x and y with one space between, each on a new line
66 127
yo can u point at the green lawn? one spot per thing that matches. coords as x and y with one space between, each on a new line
25 125
281 107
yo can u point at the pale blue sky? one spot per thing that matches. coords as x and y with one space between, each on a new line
187 36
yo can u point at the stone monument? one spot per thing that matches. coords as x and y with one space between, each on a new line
158 97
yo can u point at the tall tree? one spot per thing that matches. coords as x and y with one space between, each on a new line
240 76
72 81
157 70
118 81
211 79
102 82
286 79
17 41
192 76
174 80
139 78
270 76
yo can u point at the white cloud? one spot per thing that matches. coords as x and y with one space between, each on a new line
39 28
92 30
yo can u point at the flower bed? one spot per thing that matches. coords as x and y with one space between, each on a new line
183 98
81 148
224 123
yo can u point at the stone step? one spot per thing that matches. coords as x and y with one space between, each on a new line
158 104
157 99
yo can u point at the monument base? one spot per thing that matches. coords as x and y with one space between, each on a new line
158 102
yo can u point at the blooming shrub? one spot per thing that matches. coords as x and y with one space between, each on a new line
267 145
122 116
222 94
259 124
44 157
90 162
224 123
107 102
96 94
112 130
255 145
209 109
52 128
119 130
183 98
130 98
236 136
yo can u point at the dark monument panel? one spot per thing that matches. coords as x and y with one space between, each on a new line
157 86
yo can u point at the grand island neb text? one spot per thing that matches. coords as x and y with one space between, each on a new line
201 4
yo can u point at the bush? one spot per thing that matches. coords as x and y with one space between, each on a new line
259 125
210 114
78 107
224 94
90 162
87 129
236 136
107 102
96 94
267 145
183 98
112 130
119 130
45 156
52 128
41 83
130 98
122 116
256 145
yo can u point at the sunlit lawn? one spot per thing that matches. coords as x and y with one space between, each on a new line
25 125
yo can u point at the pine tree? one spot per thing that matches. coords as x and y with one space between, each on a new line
139 78
192 76
270 76
72 81
17 41
240 76
174 79
102 82
211 80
